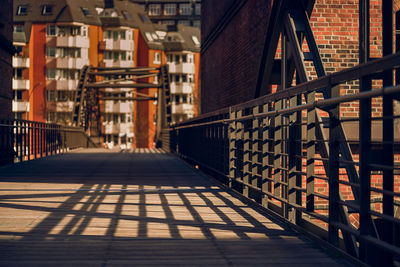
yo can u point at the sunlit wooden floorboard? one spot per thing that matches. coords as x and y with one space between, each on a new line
137 207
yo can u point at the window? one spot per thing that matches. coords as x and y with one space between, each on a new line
115 35
177 99
185 9
50 51
190 58
85 11
157 58
170 58
84 31
154 10
170 9
47 10
122 35
197 9
184 58
184 99
143 17
177 58
184 78
196 23
18 28
17 74
50 74
115 118
177 78
22 10
107 34
195 40
50 95
51 30
107 55
115 56
190 78
129 55
126 15
184 22
123 55
149 37
122 118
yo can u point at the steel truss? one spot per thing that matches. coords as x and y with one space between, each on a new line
94 80
259 148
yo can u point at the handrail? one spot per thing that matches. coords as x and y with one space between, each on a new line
23 140
286 154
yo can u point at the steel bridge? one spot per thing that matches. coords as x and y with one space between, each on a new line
238 186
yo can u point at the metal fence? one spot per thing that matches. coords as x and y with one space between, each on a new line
292 152
22 140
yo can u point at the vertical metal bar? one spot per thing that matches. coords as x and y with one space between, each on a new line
364 131
277 149
45 139
246 155
255 166
388 129
295 161
239 147
20 140
266 157
311 124
333 171
29 139
232 147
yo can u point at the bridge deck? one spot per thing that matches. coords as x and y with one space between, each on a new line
93 208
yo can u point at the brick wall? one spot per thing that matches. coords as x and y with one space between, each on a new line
229 67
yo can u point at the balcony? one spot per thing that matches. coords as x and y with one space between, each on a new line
64 85
117 63
68 41
181 88
20 62
20 106
118 107
66 106
118 128
20 84
183 108
181 68
120 45
67 63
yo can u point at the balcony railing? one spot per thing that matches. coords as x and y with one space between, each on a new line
67 63
118 107
20 106
181 68
181 88
119 45
64 85
20 62
20 84
182 108
118 128
66 106
68 41
117 63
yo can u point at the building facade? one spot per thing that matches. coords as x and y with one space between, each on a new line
172 12
54 40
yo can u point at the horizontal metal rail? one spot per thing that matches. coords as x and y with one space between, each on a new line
270 150
23 140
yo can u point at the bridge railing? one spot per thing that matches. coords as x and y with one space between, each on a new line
22 140
295 153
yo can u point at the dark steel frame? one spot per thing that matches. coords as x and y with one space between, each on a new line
258 147
22 140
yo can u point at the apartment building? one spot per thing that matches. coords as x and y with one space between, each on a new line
55 39
172 12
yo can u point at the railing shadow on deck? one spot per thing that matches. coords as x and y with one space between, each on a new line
336 178
118 203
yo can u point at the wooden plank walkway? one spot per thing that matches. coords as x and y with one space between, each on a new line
96 208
